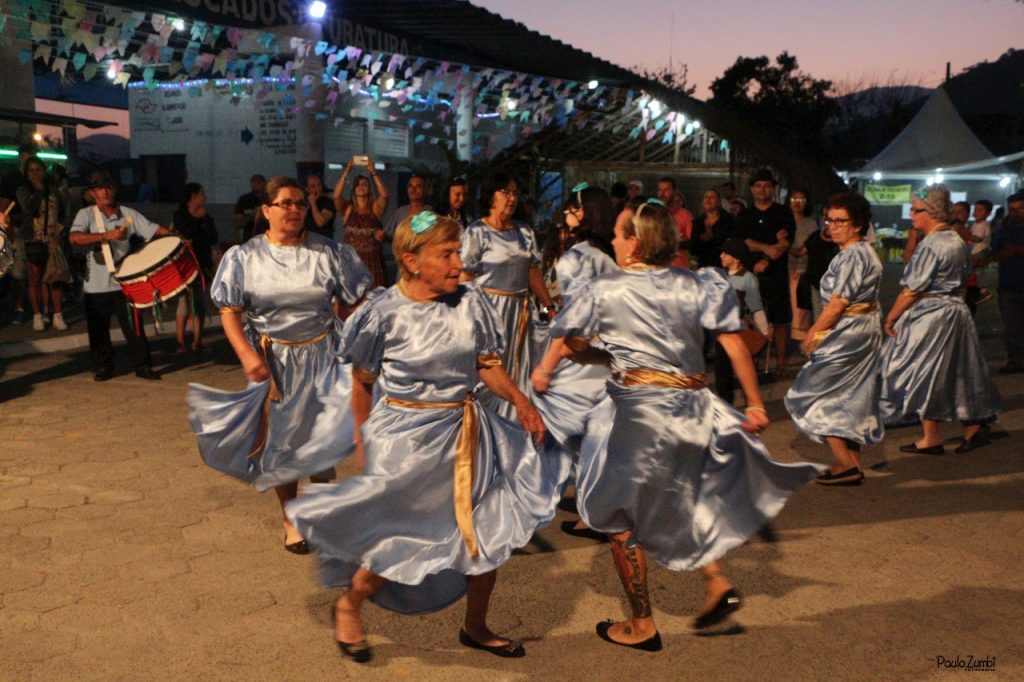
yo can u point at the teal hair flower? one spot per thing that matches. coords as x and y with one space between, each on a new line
657 202
580 187
922 193
423 221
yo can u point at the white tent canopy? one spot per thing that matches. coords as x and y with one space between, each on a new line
936 138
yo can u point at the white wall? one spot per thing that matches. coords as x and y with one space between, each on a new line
208 128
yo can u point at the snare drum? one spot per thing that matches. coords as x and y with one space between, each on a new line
6 255
158 271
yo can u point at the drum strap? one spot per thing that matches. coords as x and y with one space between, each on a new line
101 227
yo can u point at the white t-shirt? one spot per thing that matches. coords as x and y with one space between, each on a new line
983 231
98 279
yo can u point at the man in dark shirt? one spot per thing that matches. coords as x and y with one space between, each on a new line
247 207
1008 251
768 228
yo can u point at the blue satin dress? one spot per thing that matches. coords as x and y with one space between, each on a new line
675 466
285 294
933 368
837 390
398 520
500 261
569 407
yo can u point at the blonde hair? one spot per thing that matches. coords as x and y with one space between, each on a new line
656 234
406 241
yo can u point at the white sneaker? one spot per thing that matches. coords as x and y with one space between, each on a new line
38 323
58 322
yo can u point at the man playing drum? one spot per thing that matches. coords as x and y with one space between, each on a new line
106 227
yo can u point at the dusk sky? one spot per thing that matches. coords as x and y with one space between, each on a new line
849 41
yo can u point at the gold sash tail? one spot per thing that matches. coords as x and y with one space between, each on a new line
266 343
644 376
522 326
465 460
860 309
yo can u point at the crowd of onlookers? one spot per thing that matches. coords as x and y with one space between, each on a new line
774 253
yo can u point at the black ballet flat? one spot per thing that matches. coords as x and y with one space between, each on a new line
359 652
511 649
569 527
300 547
853 476
914 450
650 644
728 603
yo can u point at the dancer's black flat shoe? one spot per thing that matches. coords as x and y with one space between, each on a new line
728 603
914 450
570 528
650 644
510 649
360 652
852 476
300 547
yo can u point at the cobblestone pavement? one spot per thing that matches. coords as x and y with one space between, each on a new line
123 557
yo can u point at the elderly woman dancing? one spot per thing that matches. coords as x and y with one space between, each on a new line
450 489
501 254
681 476
835 396
275 296
932 366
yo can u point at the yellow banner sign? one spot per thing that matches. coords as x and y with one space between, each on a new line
887 194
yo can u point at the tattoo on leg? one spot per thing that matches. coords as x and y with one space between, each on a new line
632 568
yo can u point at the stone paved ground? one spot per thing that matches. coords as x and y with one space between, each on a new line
122 557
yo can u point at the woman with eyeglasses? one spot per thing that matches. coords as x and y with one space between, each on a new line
450 489
681 476
501 254
275 294
834 399
568 393
932 366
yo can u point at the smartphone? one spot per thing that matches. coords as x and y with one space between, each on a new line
361 160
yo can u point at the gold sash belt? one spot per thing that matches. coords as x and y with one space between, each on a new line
465 457
522 325
644 376
855 309
273 393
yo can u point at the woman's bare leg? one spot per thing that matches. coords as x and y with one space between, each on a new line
478 599
348 626
286 492
844 456
715 585
931 434
631 565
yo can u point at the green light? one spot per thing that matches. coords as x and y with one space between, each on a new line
49 156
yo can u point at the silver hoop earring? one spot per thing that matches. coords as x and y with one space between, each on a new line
416 274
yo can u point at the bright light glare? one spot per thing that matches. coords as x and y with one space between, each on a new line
111 73
592 85
317 9
512 105
1004 182
940 177
38 137
877 176
178 24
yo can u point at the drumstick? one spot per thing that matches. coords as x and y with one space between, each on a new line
9 208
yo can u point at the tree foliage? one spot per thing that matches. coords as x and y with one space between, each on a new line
676 77
778 98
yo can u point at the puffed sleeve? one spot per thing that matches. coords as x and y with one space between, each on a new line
531 245
572 274
719 305
848 276
489 342
228 288
580 319
364 335
472 249
921 270
353 278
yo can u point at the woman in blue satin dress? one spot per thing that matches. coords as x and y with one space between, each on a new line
572 390
450 488
835 396
932 366
275 296
681 476
502 255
